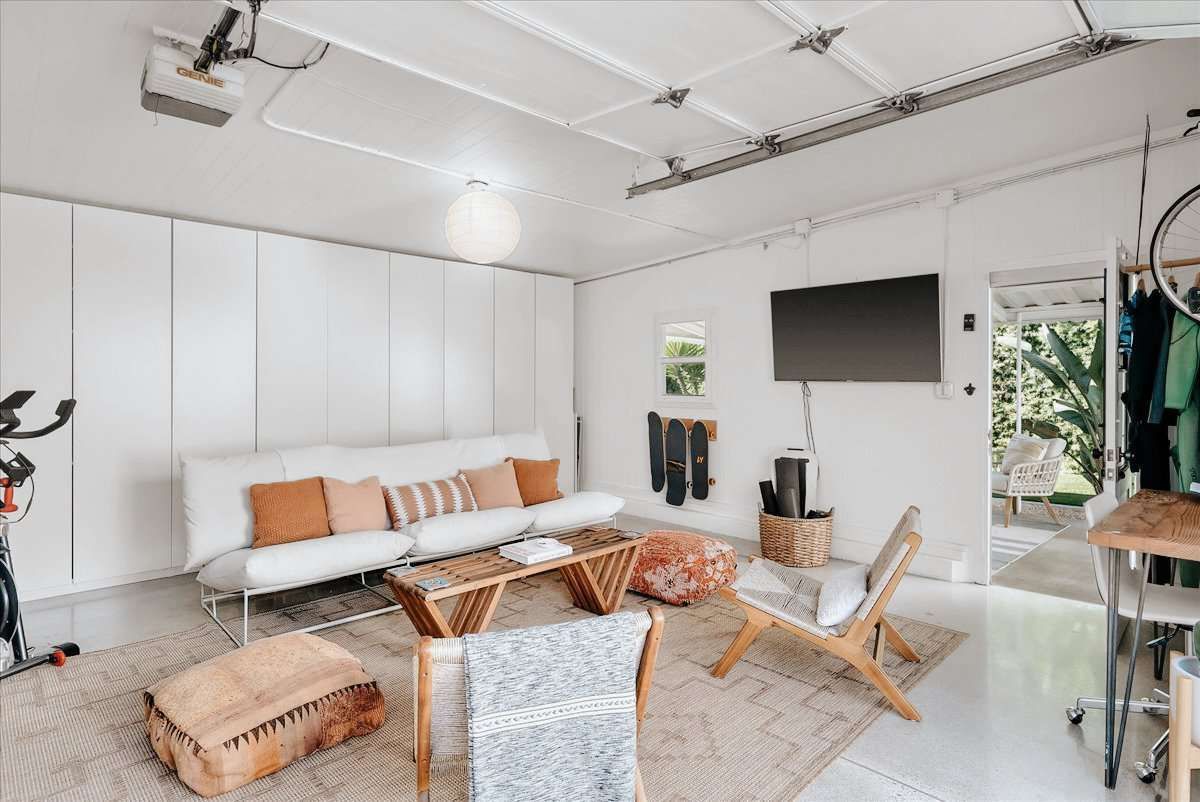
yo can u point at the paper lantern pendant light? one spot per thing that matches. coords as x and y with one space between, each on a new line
481 226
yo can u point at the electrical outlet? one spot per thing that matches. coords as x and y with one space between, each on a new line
943 390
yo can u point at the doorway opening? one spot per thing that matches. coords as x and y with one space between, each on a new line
1048 421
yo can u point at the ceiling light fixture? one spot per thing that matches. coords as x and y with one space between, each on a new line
481 226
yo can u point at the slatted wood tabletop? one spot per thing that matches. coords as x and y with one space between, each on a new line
596 574
1153 522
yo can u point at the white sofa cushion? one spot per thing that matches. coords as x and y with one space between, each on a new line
216 502
305 561
418 462
467 531
576 509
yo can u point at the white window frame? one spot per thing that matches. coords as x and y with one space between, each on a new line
660 362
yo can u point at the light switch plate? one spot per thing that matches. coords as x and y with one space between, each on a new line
944 390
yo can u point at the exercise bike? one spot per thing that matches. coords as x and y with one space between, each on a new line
15 472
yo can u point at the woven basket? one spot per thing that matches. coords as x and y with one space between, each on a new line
795 542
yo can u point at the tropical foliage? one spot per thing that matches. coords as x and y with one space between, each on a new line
1063 396
684 378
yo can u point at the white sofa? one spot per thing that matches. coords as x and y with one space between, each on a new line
220 525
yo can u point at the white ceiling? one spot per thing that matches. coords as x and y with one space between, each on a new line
1079 299
551 101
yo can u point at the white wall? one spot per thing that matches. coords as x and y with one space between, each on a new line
882 446
180 338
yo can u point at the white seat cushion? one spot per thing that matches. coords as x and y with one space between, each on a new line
576 509
999 481
305 561
786 593
216 502
467 531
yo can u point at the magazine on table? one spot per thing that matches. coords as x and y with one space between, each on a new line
535 550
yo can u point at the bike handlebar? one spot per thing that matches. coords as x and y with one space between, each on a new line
9 421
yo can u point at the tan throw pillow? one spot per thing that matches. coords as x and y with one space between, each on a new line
408 504
495 486
537 479
285 512
357 507
1022 449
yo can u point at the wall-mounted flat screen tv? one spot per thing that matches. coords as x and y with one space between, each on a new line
870 331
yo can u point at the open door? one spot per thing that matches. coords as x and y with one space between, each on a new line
1118 482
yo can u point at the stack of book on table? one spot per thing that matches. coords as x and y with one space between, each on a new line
535 550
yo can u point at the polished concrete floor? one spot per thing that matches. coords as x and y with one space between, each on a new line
993 725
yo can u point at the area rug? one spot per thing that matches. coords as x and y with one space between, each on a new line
762 733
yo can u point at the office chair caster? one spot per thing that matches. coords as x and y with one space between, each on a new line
1145 773
1075 714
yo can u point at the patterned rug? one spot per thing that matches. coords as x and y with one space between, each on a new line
762 733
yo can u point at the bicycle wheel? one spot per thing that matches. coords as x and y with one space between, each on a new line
1175 251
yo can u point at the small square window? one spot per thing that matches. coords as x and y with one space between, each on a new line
684 350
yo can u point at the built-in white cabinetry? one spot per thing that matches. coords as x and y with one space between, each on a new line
417 345
122 369
181 338
293 329
554 404
357 361
514 338
470 377
35 354
212 343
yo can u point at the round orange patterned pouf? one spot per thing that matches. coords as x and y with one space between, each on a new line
682 567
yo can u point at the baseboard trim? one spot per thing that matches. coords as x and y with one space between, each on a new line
97 584
946 561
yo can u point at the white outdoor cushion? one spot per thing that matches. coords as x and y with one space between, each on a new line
305 561
999 481
216 502
1055 448
1022 448
841 595
576 509
467 531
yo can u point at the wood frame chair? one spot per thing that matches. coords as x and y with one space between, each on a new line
1184 755
850 646
424 659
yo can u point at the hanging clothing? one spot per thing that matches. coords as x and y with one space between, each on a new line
1182 393
1148 444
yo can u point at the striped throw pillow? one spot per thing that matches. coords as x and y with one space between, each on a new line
408 504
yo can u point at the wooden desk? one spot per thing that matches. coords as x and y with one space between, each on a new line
1155 523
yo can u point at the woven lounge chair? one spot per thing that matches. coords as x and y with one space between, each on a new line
441 704
787 598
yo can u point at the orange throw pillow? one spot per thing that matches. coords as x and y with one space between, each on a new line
495 486
356 507
285 512
537 479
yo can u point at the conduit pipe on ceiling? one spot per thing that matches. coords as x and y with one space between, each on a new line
788 231
936 100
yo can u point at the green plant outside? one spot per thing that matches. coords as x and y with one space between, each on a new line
1062 395
684 378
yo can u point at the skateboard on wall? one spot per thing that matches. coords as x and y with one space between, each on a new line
699 445
658 476
677 456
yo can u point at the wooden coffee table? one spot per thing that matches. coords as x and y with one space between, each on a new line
596 575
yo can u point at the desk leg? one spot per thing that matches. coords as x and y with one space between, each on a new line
1110 664
1133 651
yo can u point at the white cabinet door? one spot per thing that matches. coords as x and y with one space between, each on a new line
358 345
417 349
292 342
122 350
470 374
35 333
555 360
213 323
514 311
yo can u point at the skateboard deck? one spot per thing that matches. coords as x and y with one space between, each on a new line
699 460
676 462
658 476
